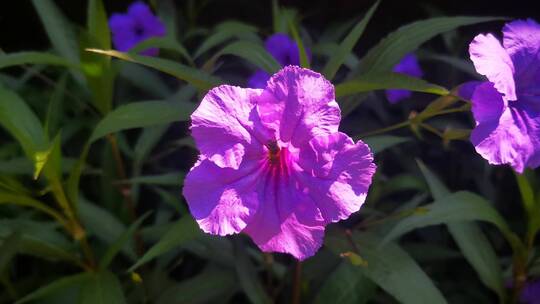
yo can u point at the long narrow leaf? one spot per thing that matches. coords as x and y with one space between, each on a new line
197 78
346 46
385 81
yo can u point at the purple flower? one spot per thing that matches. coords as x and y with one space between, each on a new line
274 165
409 66
284 50
531 293
137 25
507 107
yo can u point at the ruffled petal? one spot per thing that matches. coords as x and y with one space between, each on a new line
503 135
258 79
224 126
522 42
492 60
297 105
337 173
222 200
288 220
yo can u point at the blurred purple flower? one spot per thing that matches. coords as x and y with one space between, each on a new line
274 165
409 66
284 50
137 25
507 107
531 293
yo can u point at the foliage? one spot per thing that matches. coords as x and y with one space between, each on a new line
95 145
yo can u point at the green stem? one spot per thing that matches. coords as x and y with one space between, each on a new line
125 191
297 283
387 129
432 129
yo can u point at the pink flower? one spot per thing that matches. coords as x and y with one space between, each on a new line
274 165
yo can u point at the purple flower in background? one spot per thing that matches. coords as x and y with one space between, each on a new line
531 293
137 25
274 165
507 107
284 50
409 66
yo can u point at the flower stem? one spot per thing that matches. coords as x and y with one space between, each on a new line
387 129
125 191
432 130
297 283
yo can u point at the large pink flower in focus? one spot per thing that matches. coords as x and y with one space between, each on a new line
274 165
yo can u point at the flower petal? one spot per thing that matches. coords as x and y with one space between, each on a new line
283 49
337 173
222 200
492 60
504 134
123 35
287 221
396 95
297 105
258 79
223 126
466 90
522 42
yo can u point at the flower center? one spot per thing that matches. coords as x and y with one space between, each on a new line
139 30
273 152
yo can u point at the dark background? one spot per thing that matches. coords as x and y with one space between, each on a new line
21 29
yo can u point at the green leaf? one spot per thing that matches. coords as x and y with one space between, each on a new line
252 52
98 25
247 276
103 224
142 114
22 123
380 143
211 286
436 187
68 282
479 252
226 31
172 179
456 207
328 49
195 77
384 81
282 17
142 78
304 60
182 231
40 239
58 29
345 285
8 250
21 58
121 242
347 45
55 108
101 288
98 72
164 43
388 266
389 51
529 203
470 239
